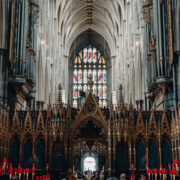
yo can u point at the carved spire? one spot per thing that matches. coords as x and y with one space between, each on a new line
59 99
153 130
121 99
40 128
90 82
16 126
140 130
28 127
165 125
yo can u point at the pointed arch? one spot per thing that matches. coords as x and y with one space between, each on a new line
16 126
153 129
140 128
28 128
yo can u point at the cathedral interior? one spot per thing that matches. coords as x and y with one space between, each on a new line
89 85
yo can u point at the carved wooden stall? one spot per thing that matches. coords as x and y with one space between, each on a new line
119 136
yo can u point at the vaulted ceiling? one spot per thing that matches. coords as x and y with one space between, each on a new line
94 21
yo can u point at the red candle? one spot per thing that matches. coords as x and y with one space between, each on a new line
175 161
15 170
155 171
131 176
1 171
33 165
173 171
27 170
4 160
33 170
20 170
11 171
19 165
149 170
149 173
40 178
164 171
37 177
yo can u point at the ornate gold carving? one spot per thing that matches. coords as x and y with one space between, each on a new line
165 130
152 130
55 125
90 109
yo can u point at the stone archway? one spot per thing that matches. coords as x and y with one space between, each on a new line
89 140
89 132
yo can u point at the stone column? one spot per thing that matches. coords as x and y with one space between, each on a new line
109 148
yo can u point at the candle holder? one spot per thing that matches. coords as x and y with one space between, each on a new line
171 175
15 171
20 172
10 173
164 172
27 173
173 172
132 176
24 172
155 173
33 173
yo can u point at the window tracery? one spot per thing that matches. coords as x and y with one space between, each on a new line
89 62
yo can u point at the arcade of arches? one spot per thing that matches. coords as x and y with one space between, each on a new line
90 84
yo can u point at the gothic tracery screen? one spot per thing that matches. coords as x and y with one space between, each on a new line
89 62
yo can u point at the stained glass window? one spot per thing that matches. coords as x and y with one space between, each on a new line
89 61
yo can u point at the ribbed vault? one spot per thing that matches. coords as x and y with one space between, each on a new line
78 17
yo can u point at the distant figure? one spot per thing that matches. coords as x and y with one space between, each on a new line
14 177
142 177
102 175
71 176
123 176
89 175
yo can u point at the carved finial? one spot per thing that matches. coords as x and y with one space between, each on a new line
90 81
60 87
121 94
59 99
